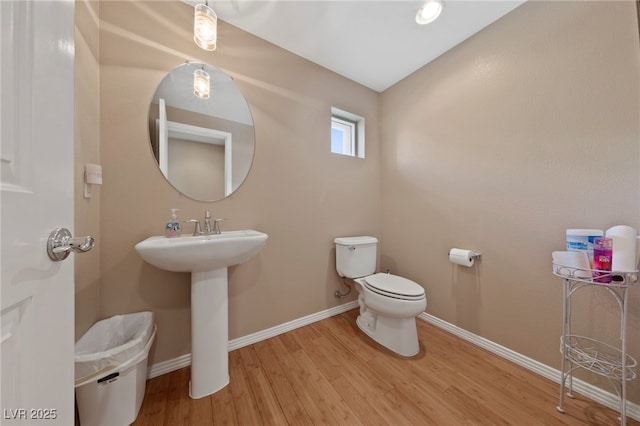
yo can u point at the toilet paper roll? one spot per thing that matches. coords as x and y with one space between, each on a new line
624 248
461 257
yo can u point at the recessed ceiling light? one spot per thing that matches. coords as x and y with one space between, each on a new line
429 12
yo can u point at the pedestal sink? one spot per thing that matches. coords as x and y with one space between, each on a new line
207 258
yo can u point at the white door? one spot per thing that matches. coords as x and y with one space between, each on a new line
36 189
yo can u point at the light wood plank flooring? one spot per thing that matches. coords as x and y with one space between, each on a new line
330 373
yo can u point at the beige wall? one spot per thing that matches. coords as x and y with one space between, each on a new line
87 150
526 129
297 191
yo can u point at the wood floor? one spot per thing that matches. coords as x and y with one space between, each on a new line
330 373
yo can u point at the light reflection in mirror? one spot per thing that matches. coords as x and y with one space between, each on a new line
203 147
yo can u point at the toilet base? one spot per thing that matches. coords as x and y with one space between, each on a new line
399 335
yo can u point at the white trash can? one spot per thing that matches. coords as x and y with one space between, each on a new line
111 369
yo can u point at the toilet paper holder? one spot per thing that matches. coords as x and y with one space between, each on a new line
474 255
463 257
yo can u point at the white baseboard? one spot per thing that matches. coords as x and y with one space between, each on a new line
164 367
601 396
288 326
168 366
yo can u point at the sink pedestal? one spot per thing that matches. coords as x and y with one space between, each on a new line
209 294
209 332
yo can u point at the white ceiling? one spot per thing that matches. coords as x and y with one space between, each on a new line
373 42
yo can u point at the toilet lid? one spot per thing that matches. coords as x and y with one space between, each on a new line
394 286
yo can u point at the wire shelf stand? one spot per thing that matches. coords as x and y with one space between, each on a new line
591 354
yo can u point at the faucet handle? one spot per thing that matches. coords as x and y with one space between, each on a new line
216 226
196 231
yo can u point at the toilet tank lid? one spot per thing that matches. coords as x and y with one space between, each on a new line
353 241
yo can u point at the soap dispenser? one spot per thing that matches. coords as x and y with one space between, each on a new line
173 225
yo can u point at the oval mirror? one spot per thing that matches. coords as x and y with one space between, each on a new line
201 135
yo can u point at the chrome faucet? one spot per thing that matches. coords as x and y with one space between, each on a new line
207 222
207 225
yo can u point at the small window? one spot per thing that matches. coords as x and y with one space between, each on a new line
343 136
347 133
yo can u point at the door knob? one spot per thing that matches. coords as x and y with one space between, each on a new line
61 243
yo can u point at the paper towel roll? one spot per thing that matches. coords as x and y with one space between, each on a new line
624 248
461 257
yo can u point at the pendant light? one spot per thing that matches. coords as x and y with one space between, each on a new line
201 84
205 27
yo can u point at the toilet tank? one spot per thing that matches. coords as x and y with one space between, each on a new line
356 256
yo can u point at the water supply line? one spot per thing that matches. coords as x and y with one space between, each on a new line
340 295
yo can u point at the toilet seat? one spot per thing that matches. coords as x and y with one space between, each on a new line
394 286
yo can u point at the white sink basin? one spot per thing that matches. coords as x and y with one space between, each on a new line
207 258
201 253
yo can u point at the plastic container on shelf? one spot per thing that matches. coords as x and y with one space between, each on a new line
582 240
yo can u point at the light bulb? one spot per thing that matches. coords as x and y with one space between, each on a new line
201 84
205 27
429 12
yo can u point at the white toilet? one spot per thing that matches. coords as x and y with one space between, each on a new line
388 303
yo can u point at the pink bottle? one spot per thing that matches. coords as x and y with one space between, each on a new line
602 255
